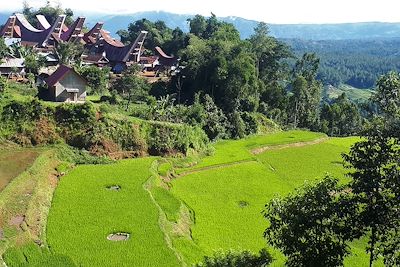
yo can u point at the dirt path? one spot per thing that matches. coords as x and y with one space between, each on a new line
255 151
212 167
260 150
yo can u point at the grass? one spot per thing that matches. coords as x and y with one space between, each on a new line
84 212
29 196
352 93
13 162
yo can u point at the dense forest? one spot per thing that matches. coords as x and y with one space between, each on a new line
354 62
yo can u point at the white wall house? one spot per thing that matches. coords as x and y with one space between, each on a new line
66 85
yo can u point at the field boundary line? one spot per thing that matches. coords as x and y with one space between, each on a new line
260 150
216 166
162 218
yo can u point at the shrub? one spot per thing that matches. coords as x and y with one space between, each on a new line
165 138
232 258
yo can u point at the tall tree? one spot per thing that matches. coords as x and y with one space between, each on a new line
312 226
304 103
130 86
341 117
374 166
271 69
68 53
97 78
49 11
387 94
3 49
158 33
33 61
197 25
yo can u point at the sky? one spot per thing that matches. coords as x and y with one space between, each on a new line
270 11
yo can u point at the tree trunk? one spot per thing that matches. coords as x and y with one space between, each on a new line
128 103
373 241
295 116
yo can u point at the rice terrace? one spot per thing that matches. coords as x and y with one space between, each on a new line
147 138
170 220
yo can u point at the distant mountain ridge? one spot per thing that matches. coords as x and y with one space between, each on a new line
365 30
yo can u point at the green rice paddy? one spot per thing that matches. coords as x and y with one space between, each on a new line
214 204
85 212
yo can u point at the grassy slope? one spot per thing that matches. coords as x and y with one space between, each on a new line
28 195
84 212
351 92
13 162
214 195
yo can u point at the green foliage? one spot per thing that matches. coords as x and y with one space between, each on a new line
387 95
68 52
202 113
232 258
75 116
33 256
3 84
304 102
166 138
356 62
374 166
158 35
97 78
312 226
209 117
198 25
81 126
28 123
340 118
272 71
131 87
217 63
33 62
50 12
3 49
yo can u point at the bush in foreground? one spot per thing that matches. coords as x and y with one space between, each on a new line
233 258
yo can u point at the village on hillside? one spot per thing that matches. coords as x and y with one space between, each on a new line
100 49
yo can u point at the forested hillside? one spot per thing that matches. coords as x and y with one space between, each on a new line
354 62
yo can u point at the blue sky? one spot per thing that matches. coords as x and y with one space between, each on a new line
272 11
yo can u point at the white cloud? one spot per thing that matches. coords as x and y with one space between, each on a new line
272 11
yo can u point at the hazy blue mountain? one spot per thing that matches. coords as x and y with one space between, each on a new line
344 31
302 31
3 18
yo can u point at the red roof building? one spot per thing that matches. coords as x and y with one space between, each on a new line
66 85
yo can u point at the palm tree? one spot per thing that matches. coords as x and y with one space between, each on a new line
67 53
